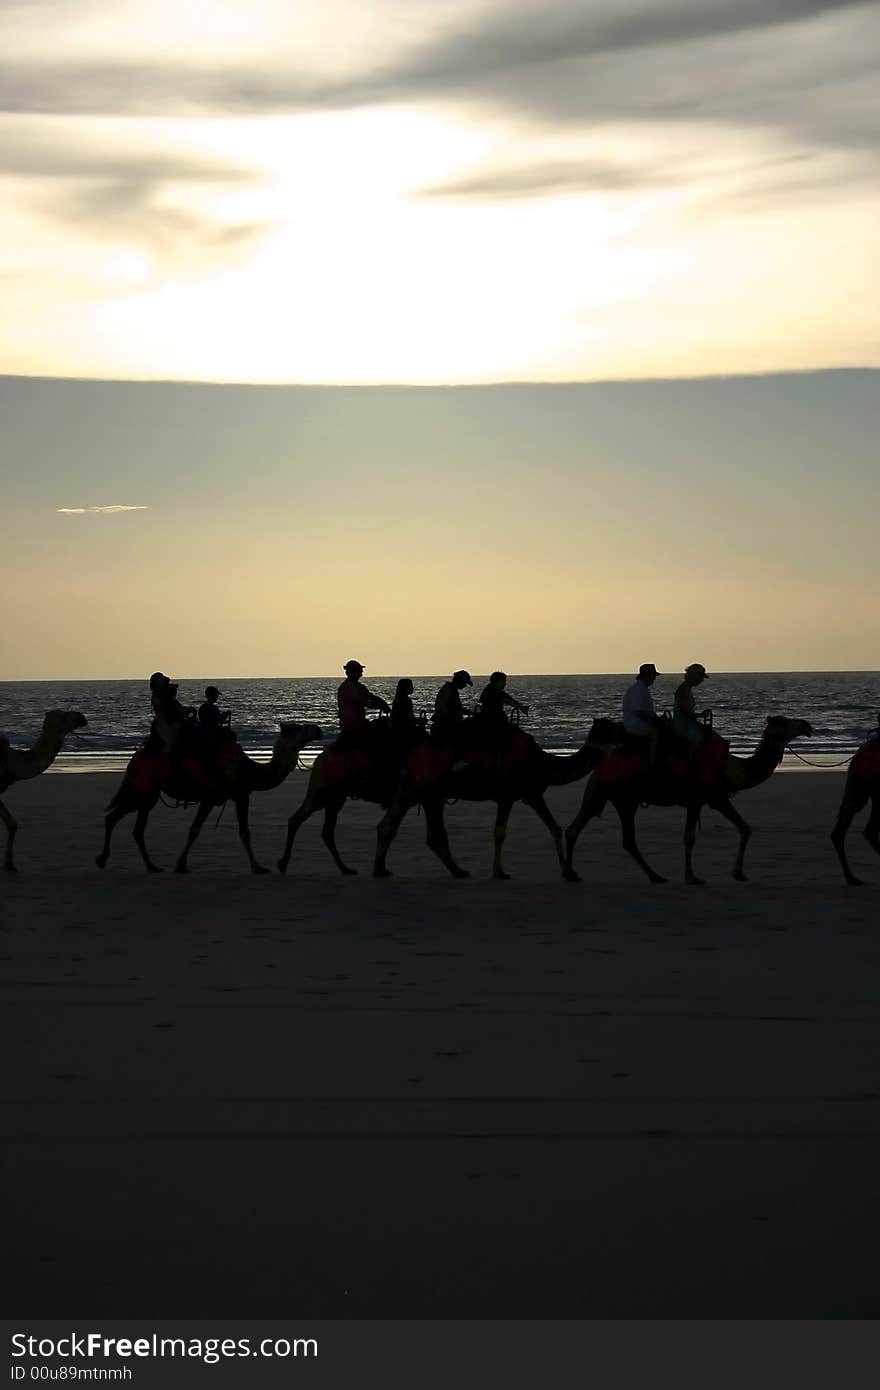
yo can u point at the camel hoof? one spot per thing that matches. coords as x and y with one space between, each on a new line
101 860
382 873
658 878
571 876
10 869
154 869
740 877
179 869
259 869
459 873
344 869
856 882
282 866
501 876
694 881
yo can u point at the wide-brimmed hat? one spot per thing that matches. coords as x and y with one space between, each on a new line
648 668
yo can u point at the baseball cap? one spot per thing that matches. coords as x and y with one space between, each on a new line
462 676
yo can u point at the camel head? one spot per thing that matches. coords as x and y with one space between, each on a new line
293 739
604 734
780 730
62 722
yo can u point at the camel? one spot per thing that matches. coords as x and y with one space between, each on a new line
862 785
426 777
626 779
148 775
20 764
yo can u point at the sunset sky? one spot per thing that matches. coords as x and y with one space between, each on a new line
438 192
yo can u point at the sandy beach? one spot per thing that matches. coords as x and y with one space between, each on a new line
230 1096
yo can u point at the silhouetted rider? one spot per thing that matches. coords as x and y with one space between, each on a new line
686 723
639 717
353 700
448 715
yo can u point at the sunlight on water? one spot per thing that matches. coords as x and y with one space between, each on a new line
841 706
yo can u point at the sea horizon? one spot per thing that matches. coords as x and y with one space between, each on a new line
841 705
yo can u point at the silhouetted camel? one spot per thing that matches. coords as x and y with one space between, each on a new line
21 764
425 777
862 785
630 782
140 794
504 780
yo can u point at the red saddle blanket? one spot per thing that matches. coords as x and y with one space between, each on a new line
706 768
148 770
343 765
866 760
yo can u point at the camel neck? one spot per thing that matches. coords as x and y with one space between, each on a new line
32 761
763 762
561 771
266 776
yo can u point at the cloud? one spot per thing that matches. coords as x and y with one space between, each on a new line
108 510
543 178
127 188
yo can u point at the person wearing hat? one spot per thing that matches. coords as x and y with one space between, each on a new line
448 715
640 719
353 700
687 724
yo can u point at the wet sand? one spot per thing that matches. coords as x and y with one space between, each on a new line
233 1096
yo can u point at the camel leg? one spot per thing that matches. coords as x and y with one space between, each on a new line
543 812
242 809
385 835
501 819
111 820
690 836
437 839
11 824
201 815
299 818
627 816
852 803
328 835
730 813
872 829
138 835
592 805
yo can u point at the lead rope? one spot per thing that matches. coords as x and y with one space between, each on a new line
842 763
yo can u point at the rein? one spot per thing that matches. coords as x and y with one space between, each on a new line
842 763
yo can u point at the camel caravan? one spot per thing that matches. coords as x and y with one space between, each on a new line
400 761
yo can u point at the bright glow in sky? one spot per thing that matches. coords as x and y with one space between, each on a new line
437 191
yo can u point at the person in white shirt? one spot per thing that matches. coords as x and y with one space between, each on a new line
639 717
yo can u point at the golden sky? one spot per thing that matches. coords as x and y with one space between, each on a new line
437 190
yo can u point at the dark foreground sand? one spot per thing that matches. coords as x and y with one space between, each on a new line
228 1095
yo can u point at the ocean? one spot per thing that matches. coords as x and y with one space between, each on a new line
842 706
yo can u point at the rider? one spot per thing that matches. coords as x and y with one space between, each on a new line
403 715
169 715
354 700
492 701
448 714
639 718
211 717
687 724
